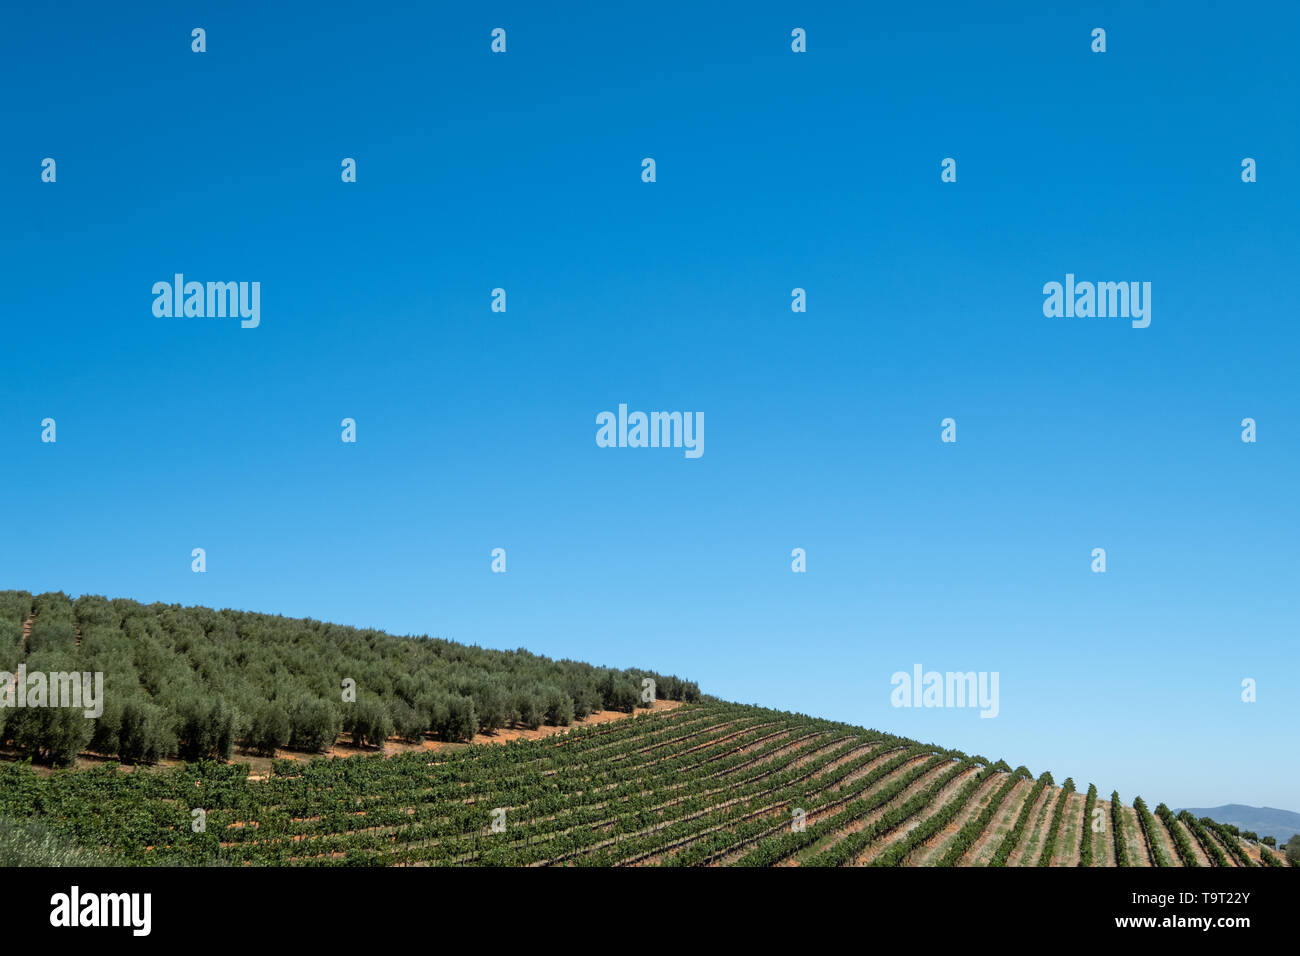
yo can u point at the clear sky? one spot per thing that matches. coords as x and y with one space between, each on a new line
775 170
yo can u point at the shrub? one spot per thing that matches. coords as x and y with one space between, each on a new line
490 705
369 723
145 735
623 696
1086 842
408 723
49 734
313 724
206 729
1117 823
31 843
270 729
531 708
462 722
559 708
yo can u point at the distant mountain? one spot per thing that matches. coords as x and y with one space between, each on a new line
1266 821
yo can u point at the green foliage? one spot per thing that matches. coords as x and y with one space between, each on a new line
455 718
368 722
1049 845
269 730
207 729
31 843
1227 834
1012 839
1148 825
1293 850
54 628
1117 827
783 841
934 823
491 707
313 724
531 709
194 682
620 694
49 734
145 734
968 834
848 849
408 723
1181 843
559 708
1202 836
1086 841
1270 859
710 783
15 606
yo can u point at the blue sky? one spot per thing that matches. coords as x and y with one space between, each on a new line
775 170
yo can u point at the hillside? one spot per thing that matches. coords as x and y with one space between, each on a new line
196 683
708 783
1264 821
697 782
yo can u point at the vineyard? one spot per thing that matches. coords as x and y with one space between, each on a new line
706 783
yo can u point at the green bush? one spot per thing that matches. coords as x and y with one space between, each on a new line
209 673
369 723
145 735
49 734
462 722
313 724
207 729
559 708
408 723
531 709
270 729
31 843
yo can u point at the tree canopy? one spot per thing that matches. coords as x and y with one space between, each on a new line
196 682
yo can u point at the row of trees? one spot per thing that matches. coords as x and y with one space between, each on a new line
1181 843
931 825
1148 826
1012 839
968 834
197 683
714 783
1202 837
1228 837
1086 842
1049 845
1117 824
15 606
1228 833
